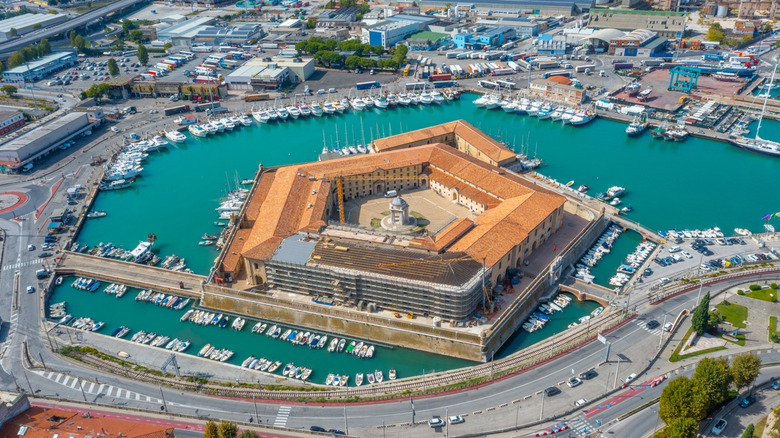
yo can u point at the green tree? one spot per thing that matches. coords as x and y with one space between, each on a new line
748 433
680 399
352 61
167 46
212 430
227 429
29 54
143 55
127 26
715 33
113 68
13 32
744 369
44 47
377 49
682 428
136 36
712 381
72 36
16 59
10 90
367 63
98 91
80 43
248 434
311 23
700 321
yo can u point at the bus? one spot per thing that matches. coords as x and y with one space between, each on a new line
367 85
564 73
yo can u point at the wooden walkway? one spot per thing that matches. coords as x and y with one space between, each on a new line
131 274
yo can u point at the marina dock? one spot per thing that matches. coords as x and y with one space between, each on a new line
131 274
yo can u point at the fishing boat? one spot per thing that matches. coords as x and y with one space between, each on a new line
583 188
742 231
358 379
116 184
96 214
198 130
329 379
370 377
350 347
633 88
206 242
726 77
582 118
341 345
378 375
333 344
636 128
393 374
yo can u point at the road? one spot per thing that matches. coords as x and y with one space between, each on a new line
8 47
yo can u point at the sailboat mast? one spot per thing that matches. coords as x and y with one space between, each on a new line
766 98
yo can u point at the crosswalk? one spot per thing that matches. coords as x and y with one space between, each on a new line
95 388
282 416
581 425
22 264
643 324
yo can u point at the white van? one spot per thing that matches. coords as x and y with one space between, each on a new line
391 193
674 249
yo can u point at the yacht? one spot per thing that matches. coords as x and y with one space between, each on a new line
583 118
316 110
282 112
305 110
175 136
358 104
328 108
245 120
636 128
380 102
217 124
116 184
481 101
227 123
438 98
293 111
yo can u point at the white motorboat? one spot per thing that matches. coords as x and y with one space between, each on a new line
293 111
175 136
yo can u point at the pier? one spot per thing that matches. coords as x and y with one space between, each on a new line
131 274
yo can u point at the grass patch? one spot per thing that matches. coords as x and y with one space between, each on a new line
676 356
769 295
760 426
376 222
89 6
774 335
734 314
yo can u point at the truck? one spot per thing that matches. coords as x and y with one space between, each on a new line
367 85
217 110
205 80
176 110
269 46
547 64
583 68
652 63
207 66
622 65
501 72
440 77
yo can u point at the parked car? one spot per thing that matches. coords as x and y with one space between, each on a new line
114 129
776 384
552 391
336 432
747 401
43 255
587 375
317 429
436 422
30 247
30 289
717 429
456 419
581 402
630 377
668 326
574 381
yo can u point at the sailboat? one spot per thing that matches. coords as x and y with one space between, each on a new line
758 144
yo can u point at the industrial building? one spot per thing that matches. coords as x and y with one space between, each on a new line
216 35
557 89
40 68
392 30
664 23
268 76
484 36
26 23
40 140
516 8
183 33
290 241
342 17
10 121
639 42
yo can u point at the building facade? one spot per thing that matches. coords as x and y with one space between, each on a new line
26 23
665 23
555 91
10 121
39 68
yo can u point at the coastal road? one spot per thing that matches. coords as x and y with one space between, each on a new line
8 47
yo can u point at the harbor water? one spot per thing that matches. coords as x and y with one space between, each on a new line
694 184
608 265
146 316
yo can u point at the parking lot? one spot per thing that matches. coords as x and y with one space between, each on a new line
691 257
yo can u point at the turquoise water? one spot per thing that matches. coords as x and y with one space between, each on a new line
607 267
694 184
125 311
559 321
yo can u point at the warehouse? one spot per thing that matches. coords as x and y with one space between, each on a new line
299 69
217 35
268 76
388 32
183 33
41 140
39 68
664 23
26 23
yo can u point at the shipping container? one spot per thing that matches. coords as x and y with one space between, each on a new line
255 97
506 84
208 66
652 63
201 49
548 64
269 46
205 80
622 65
513 65
501 72
564 73
176 110
453 55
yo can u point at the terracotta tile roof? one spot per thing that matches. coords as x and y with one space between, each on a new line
41 422
282 206
464 189
263 186
460 128
233 254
